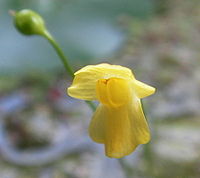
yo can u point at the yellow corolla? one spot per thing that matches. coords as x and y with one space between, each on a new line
118 122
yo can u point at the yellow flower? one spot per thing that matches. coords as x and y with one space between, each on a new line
118 122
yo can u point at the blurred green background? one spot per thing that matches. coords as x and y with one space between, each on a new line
40 125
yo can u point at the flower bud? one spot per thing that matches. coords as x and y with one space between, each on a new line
29 23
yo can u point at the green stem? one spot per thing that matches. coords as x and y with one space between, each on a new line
58 50
92 105
64 60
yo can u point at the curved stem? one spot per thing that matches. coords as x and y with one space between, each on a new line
64 60
58 50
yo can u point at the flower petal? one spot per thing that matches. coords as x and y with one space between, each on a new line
84 84
126 128
121 129
142 90
107 71
83 87
118 91
113 92
138 121
113 128
119 138
97 125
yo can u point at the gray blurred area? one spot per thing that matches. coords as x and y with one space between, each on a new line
43 132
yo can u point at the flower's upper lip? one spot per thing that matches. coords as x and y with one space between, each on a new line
84 84
107 70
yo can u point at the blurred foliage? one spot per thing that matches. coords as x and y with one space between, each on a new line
87 30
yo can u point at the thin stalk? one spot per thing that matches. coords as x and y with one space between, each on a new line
59 52
91 104
64 60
